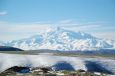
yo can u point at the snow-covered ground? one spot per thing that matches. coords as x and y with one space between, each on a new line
91 64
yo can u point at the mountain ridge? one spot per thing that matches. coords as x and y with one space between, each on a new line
62 39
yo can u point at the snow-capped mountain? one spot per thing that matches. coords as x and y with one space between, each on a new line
62 39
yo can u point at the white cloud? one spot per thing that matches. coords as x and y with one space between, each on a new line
32 28
84 28
2 13
105 35
11 31
65 21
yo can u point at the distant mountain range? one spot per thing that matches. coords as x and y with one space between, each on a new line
62 39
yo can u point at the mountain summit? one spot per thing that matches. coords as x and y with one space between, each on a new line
62 39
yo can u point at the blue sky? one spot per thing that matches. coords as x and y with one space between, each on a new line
98 15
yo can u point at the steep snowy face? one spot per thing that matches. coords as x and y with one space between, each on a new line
62 39
27 43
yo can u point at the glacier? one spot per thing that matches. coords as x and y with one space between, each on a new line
47 60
